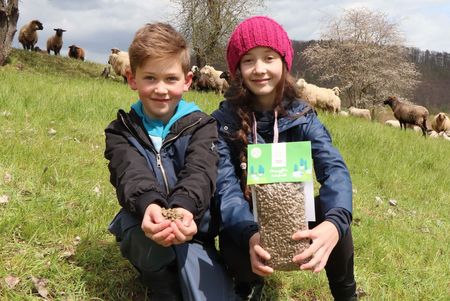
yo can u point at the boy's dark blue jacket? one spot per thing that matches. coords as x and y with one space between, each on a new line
182 174
299 124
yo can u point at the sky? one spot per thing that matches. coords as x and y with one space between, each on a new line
99 25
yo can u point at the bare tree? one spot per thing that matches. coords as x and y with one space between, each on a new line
362 52
9 14
208 25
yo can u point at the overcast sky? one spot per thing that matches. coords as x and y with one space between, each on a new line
99 25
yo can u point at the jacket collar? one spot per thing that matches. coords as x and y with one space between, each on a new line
297 112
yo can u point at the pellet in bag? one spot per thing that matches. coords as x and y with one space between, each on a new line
280 213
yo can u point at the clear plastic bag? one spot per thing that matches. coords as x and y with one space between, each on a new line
280 212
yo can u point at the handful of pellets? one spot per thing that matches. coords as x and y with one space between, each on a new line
281 212
171 214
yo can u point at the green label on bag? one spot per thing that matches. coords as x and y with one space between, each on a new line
279 162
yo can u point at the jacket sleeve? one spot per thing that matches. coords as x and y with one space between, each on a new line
333 175
237 219
197 180
136 186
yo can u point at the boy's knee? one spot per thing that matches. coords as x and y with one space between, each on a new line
146 255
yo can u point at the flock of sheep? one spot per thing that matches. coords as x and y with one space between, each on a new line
208 78
28 37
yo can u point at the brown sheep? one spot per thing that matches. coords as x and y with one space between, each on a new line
441 123
54 43
76 52
28 36
408 113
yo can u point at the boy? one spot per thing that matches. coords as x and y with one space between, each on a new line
162 155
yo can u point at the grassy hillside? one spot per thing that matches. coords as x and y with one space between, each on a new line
56 200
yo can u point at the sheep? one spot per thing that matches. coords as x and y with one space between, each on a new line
393 123
343 113
115 50
323 98
408 113
106 71
362 113
227 76
28 36
441 123
220 85
444 135
433 134
76 52
120 62
39 50
54 43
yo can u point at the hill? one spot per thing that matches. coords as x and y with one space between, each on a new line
56 200
433 90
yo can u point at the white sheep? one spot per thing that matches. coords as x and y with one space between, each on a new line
441 123
362 113
54 43
393 123
220 85
444 135
343 113
433 134
323 98
120 62
28 36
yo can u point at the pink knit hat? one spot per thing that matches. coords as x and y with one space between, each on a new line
258 31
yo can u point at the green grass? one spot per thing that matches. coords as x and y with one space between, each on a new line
60 191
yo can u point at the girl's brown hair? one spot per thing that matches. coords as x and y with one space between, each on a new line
242 101
158 41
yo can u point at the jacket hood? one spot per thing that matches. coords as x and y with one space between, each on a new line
155 127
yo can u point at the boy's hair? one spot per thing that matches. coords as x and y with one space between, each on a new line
157 41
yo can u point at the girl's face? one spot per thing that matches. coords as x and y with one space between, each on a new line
262 69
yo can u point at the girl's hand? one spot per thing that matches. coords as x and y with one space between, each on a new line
324 237
156 227
257 257
183 229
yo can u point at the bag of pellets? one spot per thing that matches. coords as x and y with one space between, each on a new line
280 212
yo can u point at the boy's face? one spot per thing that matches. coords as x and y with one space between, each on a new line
160 84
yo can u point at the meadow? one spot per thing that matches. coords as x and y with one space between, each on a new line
56 200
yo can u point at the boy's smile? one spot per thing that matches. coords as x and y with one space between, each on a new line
160 84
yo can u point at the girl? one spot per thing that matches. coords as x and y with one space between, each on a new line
262 104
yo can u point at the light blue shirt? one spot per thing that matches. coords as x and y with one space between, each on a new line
156 130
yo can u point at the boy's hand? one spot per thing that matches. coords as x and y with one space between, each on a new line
325 236
257 257
183 229
156 227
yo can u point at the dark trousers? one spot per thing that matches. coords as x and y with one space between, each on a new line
339 268
190 272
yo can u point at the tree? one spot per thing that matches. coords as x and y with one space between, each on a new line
362 52
9 14
208 25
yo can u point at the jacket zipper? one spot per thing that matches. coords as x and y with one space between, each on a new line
160 166
158 155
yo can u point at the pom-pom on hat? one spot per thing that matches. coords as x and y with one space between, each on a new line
258 31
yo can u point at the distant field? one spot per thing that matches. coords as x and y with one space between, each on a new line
56 200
